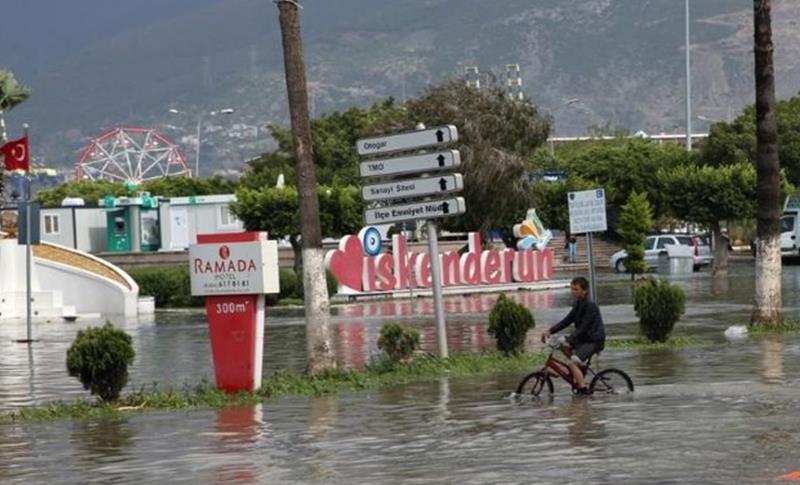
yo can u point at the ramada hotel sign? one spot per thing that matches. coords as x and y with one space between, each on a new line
357 273
234 268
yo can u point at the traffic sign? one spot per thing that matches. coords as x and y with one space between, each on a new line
587 211
419 210
426 162
419 187
407 141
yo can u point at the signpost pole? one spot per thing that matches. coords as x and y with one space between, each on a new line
436 280
590 252
28 309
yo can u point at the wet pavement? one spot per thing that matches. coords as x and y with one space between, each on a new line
718 413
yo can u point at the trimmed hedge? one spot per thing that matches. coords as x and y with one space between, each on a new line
170 286
397 342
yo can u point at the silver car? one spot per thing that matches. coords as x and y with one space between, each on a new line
657 244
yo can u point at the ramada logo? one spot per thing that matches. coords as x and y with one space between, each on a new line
400 269
223 265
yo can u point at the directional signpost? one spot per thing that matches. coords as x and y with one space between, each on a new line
419 187
587 214
410 199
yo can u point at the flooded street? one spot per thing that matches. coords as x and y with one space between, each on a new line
717 413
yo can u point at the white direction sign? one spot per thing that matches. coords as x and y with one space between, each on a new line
426 162
587 211
407 141
419 187
421 210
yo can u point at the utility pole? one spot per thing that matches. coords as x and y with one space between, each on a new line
688 81
318 334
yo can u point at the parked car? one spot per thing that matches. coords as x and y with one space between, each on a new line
657 244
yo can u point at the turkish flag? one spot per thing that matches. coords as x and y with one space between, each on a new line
17 154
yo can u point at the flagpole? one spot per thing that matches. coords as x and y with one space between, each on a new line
28 240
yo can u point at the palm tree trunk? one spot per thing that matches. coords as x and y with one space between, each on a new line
768 304
318 335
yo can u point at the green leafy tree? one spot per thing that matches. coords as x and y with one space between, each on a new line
509 323
91 191
276 210
12 93
707 195
496 134
334 138
735 142
550 200
188 186
635 220
621 166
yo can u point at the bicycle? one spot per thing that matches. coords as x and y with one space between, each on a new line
608 381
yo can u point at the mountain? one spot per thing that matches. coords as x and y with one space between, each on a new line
95 65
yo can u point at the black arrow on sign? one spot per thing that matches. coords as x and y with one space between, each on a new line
439 136
443 183
440 158
445 208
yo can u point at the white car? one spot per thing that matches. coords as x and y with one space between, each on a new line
657 244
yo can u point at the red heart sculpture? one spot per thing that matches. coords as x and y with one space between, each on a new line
347 262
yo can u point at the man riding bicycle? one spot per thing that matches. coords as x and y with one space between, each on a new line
589 336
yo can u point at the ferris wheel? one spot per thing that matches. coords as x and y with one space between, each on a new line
130 155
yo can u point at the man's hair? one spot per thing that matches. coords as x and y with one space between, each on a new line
582 282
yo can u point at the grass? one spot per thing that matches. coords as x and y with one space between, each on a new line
775 328
643 344
282 384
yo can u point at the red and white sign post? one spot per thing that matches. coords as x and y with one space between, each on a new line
234 271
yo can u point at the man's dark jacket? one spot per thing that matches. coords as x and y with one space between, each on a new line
588 323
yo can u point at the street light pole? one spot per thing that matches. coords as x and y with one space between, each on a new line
688 85
223 111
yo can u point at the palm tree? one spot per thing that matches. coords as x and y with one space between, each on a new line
12 93
768 302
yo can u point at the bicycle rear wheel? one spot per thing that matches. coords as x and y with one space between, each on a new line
535 384
611 381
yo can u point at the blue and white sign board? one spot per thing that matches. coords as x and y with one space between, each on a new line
587 211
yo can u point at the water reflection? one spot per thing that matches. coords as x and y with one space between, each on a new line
586 424
771 347
238 429
103 441
661 365
322 419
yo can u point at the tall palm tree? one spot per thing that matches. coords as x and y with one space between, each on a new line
768 305
12 93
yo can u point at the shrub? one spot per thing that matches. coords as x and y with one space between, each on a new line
397 342
168 285
634 221
659 305
509 323
99 357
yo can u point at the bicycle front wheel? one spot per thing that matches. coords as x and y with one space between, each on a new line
611 381
535 384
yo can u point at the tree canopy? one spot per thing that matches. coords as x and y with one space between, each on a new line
735 142
495 136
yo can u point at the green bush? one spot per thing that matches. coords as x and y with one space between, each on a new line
168 285
397 342
509 323
99 357
659 305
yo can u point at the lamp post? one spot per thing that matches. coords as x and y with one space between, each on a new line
223 111
563 105
688 85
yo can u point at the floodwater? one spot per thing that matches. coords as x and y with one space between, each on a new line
720 413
